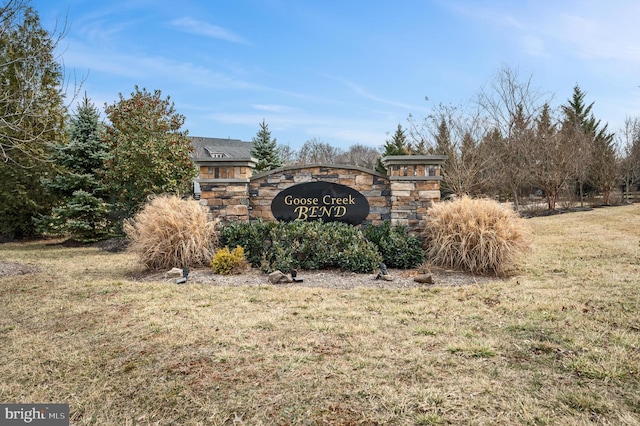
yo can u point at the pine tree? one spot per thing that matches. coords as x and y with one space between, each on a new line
444 146
515 154
82 213
265 150
397 145
593 154
443 139
550 157
32 115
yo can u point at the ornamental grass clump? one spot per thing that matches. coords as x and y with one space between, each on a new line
475 235
171 232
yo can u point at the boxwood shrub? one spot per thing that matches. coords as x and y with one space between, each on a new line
397 247
302 245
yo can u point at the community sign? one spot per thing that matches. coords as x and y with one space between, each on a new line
326 201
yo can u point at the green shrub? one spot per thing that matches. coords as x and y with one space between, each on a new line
171 232
397 247
251 236
303 245
226 262
479 236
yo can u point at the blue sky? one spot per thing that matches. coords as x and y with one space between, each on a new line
345 71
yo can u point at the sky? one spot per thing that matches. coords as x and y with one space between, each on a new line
343 72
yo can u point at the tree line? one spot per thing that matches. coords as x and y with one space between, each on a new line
512 143
73 174
270 155
507 143
70 173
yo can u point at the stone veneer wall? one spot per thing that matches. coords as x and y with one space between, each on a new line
415 185
232 193
224 187
374 186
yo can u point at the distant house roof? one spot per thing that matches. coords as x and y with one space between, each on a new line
204 148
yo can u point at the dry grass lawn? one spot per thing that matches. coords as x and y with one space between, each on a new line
557 344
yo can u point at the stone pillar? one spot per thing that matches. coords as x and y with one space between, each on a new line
414 182
224 187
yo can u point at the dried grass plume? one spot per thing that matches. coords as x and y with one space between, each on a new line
172 232
476 235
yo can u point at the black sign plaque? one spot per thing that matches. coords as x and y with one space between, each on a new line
326 201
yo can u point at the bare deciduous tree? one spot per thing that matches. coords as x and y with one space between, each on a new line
360 155
549 158
629 154
286 154
314 151
32 89
461 138
603 171
510 105
583 130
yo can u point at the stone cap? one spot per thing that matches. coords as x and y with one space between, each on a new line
405 160
415 178
313 165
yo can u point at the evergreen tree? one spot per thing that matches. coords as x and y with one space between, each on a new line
549 158
444 146
515 153
82 212
397 145
443 139
265 150
31 117
588 136
576 112
148 151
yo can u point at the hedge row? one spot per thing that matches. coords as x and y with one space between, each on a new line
317 245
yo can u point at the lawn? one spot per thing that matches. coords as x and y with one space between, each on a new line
558 343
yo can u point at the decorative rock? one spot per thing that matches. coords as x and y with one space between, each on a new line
277 277
173 273
423 279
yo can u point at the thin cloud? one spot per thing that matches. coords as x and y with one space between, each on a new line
193 26
594 31
332 129
600 37
364 93
82 57
272 108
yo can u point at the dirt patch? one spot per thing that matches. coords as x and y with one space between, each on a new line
326 279
8 269
112 245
